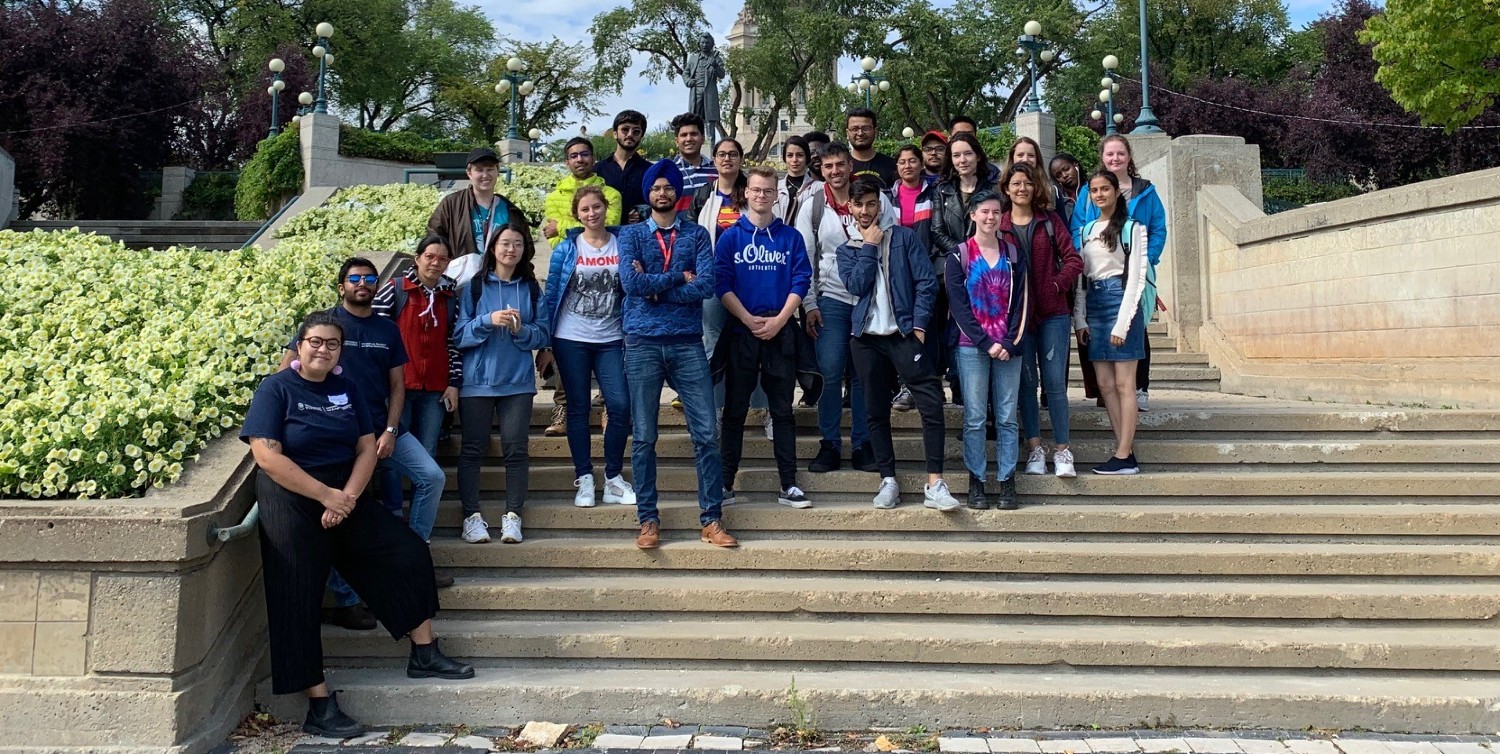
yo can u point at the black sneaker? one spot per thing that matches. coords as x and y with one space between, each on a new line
793 497
355 617
1118 466
863 458
1008 501
324 718
442 579
977 499
728 496
827 459
903 400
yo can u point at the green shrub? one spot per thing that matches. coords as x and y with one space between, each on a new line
271 177
1081 142
1302 192
209 197
396 146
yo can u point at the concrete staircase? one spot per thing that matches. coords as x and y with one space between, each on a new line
1279 564
156 234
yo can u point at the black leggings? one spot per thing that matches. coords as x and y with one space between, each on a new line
382 558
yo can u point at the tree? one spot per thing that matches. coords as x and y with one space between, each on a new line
1439 60
94 96
664 31
569 81
795 49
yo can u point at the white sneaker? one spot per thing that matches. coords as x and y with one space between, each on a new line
585 496
476 531
510 529
1142 400
1062 463
937 497
770 431
889 493
793 497
617 490
1036 463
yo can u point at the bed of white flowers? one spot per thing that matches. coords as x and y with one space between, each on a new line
117 366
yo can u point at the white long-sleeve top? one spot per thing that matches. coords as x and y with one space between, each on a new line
1101 261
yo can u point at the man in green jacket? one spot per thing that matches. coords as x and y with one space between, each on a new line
557 213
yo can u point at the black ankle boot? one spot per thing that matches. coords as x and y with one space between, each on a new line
1008 501
827 459
977 499
427 661
324 718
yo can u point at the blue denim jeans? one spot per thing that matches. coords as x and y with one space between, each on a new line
685 369
411 460
577 362
989 383
1048 348
422 415
714 318
832 350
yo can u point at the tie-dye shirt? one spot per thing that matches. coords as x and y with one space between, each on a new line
990 290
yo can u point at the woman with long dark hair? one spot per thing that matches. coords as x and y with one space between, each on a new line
1145 207
315 451
498 328
1107 311
582 308
966 172
793 189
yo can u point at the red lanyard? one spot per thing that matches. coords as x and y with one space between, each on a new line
666 249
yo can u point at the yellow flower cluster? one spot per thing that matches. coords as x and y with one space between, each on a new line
117 366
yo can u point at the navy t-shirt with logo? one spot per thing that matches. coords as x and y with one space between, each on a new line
317 423
372 348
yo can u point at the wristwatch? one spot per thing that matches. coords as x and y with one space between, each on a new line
391 430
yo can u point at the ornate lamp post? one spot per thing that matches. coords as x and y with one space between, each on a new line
535 135
867 81
1033 46
512 82
325 59
1145 123
1111 87
277 65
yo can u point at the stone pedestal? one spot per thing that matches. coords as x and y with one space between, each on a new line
319 134
513 150
174 181
1042 128
8 200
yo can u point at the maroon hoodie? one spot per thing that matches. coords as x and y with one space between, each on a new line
1055 264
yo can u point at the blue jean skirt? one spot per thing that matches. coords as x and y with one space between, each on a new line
1103 302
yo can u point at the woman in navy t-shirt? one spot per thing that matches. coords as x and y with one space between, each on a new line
316 451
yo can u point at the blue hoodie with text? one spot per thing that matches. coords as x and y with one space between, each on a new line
761 266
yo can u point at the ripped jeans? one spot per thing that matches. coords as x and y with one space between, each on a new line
1049 351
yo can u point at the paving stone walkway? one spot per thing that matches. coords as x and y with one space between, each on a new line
620 739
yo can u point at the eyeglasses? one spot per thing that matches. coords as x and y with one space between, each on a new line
760 191
726 155
332 344
934 149
860 129
366 279
580 155
1023 185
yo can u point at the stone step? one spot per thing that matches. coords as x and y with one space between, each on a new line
758 597
848 517
1090 447
858 698
683 551
1245 482
939 640
1181 411
1163 375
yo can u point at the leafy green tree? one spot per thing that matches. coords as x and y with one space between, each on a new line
1440 60
664 31
568 77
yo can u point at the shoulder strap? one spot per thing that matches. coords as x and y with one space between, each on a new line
819 206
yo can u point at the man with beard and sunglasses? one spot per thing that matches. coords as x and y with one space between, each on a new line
624 169
374 359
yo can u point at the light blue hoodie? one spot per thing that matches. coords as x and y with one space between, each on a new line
497 362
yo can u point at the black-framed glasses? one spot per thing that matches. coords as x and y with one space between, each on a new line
580 155
332 344
726 155
366 279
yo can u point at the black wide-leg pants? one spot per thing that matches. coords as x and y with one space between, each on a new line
379 555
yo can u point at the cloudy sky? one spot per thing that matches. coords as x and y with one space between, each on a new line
570 19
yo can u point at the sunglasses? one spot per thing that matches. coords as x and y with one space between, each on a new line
366 279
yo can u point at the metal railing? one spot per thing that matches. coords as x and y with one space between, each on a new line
239 530
267 224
